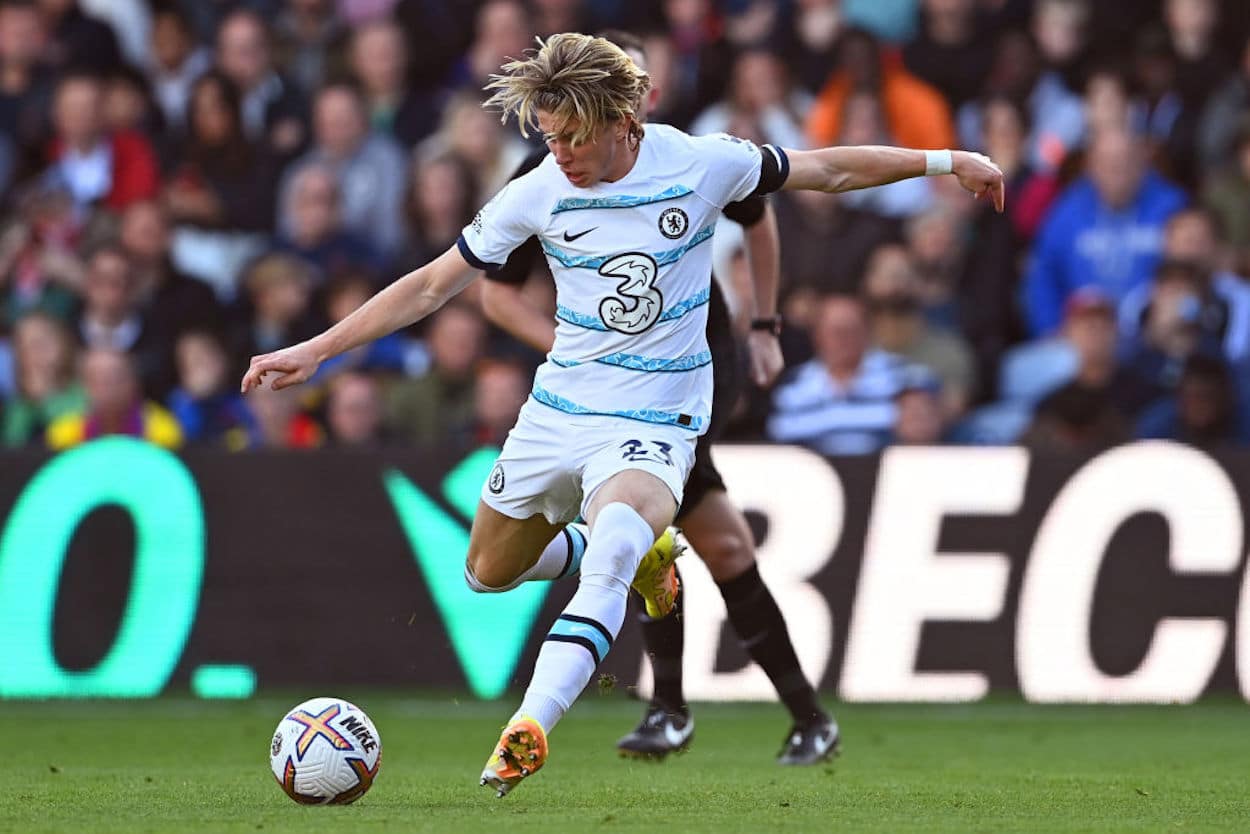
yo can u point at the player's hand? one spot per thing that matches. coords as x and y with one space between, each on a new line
978 173
291 365
765 357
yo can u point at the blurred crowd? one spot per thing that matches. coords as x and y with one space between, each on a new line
186 183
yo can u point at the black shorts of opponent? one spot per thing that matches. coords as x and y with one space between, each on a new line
729 377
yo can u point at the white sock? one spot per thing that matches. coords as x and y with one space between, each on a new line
583 634
560 558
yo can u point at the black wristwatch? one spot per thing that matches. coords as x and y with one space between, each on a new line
770 323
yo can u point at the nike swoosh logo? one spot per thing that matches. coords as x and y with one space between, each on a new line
676 737
568 238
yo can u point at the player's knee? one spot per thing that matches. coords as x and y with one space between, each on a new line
727 554
484 578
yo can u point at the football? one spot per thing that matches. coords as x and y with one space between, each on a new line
325 751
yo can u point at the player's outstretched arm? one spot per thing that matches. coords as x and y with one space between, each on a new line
849 168
410 298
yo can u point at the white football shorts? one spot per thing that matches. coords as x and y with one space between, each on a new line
553 463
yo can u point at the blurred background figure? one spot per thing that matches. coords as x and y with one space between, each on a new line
114 405
379 62
45 370
1205 410
93 164
206 403
1105 230
501 388
841 402
274 111
365 164
437 405
354 412
919 420
317 234
898 326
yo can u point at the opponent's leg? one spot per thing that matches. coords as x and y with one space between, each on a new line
629 511
720 533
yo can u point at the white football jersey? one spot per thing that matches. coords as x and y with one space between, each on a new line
631 261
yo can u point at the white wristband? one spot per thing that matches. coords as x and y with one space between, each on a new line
937 163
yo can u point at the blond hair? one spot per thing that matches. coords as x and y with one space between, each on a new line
572 76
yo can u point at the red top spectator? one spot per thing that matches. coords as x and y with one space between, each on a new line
114 169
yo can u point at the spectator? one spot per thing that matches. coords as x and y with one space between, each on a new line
952 50
379 61
130 22
701 58
281 422
502 30
365 164
1224 117
897 325
129 106
439 404
39 265
1204 411
918 404
76 39
1075 420
825 244
474 135
500 389
441 201
810 40
1054 112
169 301
863 123
220 180
389 354
316 232
309 43
111 319
94 165
206 402
273 109
280 292
1105 230
842 401
1004 134
1227 195
1061 29
115 405
1201 62
915 113
1192 237
173 64
761 106
25 85
44 360
354 412
1175 324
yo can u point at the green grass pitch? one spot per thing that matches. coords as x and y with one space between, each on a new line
181 765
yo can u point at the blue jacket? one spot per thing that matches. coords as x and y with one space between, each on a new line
1084 243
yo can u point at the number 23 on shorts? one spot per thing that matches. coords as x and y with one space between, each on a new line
652 450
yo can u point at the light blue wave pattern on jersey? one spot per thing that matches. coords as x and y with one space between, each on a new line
620 200
664 258
648 364
645 415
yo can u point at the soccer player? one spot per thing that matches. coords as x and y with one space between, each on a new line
716 528
609 431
